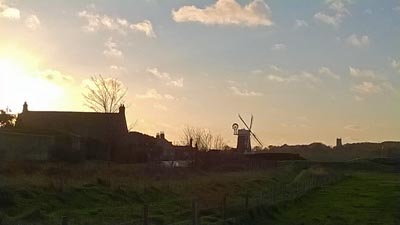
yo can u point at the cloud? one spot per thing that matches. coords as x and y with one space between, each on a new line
328 72
282 76
9 12
145 27
396 65
153 94
354 127
178 82
256 71
115 67
32 22
95 22
111 49
367 88
277 78
373 83
54 76
275 68
356 72
244 92
226 12
278 47
300 23
155 72
335 13
358 41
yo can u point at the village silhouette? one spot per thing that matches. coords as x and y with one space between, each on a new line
78 136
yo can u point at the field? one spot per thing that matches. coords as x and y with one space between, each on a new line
293 193
363 198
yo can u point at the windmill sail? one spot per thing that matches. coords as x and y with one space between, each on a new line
249 129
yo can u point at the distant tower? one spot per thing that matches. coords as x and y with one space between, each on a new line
339 142
25 107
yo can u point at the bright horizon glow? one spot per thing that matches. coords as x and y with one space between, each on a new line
19 84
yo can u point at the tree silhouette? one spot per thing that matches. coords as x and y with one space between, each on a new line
202 138
6 120
104 94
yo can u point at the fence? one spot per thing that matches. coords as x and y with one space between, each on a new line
197 211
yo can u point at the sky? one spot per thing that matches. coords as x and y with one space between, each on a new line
309 71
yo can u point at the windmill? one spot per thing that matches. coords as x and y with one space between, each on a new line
243 141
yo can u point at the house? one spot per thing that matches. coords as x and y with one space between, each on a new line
96 134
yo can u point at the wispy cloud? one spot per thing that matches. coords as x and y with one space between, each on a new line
367 88
117 68
282 76
395 64
328 72
32 22
279 47
95 22
354 127
145 27
112 49
154 94
358 41
244 92
362 73
170 80
8 12
335 13
300 23
54 76
226 12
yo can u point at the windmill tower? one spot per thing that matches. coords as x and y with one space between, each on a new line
243 140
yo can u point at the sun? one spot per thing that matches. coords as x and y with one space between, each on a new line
19 82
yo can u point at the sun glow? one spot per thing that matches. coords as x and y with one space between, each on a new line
19 82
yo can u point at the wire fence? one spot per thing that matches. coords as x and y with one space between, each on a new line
222 210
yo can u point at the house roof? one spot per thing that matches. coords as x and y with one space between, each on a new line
105 127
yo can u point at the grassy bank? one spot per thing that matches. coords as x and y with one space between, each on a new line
362 198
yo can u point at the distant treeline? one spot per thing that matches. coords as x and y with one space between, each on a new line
346 152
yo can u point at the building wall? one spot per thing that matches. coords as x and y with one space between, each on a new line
24 146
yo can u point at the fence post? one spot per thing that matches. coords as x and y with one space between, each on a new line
195 211
247 201
145 214
64 220
224 209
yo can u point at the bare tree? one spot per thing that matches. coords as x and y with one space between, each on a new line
219 142
202 138
104 94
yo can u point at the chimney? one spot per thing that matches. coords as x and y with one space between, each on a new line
25 107
162 135
122 109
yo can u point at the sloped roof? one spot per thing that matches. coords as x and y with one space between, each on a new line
104 127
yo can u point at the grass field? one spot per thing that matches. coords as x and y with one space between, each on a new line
362 198
95 193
